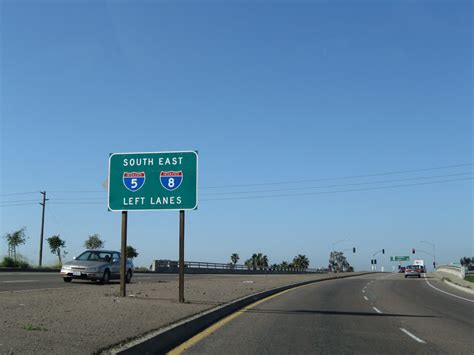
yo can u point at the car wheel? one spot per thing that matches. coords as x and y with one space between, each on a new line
67 279
419 276
128 278
106 277
406 276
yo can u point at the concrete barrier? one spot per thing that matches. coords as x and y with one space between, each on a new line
202 270
459 271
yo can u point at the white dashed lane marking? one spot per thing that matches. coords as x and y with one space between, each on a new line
421 341
377 310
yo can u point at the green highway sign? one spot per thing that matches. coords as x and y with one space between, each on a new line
153 181
399 258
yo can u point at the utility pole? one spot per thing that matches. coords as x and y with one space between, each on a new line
42 227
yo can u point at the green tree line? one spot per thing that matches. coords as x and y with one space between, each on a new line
259 261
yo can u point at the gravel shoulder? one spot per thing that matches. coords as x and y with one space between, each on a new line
82 320
454 282
444 275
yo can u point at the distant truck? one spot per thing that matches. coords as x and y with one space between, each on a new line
420 263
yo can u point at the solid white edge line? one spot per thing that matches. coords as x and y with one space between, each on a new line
436 288
461 288
377 310
16 281
413 336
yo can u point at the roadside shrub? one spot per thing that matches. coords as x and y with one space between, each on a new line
469 278
23 264
10 262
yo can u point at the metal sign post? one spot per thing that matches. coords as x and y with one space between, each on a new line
153 181
123 258
181 256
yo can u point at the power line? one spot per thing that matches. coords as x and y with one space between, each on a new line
78 199
89 199
75 191
20 193
18 204
332 186
270 183
36 200
297 194
336 191
79 203
341 177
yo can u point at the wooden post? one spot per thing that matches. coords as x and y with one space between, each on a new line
42 228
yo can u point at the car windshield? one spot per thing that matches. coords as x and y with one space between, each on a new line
95 256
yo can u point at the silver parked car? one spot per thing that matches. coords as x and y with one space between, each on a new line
96 265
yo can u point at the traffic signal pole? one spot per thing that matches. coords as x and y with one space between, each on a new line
374 268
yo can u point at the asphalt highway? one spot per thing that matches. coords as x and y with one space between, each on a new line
370 314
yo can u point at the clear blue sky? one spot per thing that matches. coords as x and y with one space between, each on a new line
267 91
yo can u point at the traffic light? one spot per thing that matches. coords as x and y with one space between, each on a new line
353 250
413 251
383 251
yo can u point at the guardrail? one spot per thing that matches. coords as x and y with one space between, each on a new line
197 267
171 266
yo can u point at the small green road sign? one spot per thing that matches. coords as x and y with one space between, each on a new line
399 258
153 181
